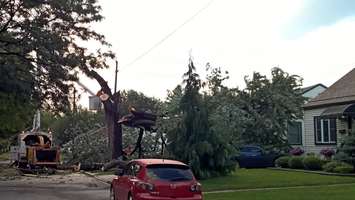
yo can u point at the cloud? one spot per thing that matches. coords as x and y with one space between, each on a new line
318 13
239 36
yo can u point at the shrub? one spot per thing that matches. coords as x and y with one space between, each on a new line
330 166
338 167
327 153
347 149
296 162
282 161
296 151
311 154
312 163
345 168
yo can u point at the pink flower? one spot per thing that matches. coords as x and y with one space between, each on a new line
327 152
296 151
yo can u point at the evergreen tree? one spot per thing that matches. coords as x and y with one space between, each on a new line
192 141
346 152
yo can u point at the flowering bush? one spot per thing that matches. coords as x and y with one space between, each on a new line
297 151
327 152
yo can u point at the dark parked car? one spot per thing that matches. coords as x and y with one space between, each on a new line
255 157
155 179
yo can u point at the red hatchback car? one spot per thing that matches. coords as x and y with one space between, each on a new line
155 179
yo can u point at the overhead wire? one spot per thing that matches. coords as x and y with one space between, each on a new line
188 20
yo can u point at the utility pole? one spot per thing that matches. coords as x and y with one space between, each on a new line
116 77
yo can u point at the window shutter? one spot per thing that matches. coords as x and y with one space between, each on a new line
333 130
317 129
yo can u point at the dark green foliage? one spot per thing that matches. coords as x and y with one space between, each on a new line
269 104
16 101
338 167
283 161
193 141
39 54
330 166
312 163
139 101
347 150
70 126
344 169
296 162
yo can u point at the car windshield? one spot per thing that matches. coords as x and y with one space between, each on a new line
169 172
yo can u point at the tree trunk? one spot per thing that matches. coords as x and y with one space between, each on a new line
114 130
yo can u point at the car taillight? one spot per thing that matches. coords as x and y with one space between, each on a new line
196 187
145 186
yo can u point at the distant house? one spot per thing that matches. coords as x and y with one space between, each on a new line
330 116
295 132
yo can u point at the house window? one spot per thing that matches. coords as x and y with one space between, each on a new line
325 130
294 133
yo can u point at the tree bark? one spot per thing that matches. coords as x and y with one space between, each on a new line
112 114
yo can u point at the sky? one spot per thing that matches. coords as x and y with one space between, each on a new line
154 39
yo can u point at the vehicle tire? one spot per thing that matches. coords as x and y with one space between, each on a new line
112 194
130 197
237 164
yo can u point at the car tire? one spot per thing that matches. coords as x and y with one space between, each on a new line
130 197
112 194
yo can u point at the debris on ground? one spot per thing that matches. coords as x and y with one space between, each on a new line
9 173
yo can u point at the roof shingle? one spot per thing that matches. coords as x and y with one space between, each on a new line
342 91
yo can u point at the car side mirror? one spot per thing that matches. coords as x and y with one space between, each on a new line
119 172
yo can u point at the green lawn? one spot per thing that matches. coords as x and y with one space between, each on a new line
321 193
4 156
266 178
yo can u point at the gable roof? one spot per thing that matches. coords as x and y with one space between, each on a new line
341 92
309 88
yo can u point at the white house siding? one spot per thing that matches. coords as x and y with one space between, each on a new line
310 95
309 143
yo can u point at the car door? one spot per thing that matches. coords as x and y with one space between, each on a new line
251 156
129 179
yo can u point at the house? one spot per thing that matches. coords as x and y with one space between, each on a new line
295 132
330 116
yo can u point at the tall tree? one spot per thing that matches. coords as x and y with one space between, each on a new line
204 149
269 105
43 37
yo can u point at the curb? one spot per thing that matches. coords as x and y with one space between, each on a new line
277 188
95 177
312 172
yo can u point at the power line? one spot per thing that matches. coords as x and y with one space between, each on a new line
168 35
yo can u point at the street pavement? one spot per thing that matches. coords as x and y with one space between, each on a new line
52 193
69 187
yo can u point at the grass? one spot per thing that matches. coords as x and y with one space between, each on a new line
267 178
320 193
5 156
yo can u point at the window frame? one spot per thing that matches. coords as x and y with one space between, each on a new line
322 134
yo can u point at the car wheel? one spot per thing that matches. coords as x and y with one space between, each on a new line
112 194
130 197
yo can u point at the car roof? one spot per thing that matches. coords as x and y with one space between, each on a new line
147 162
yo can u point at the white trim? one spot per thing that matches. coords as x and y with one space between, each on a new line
322 132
